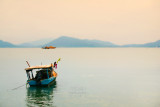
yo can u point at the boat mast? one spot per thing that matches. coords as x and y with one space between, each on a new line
31 70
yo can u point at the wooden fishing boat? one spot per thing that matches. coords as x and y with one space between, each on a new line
44 75
49 47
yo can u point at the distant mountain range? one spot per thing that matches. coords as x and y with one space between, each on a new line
38 43
151 44
65 41
4 44
74 42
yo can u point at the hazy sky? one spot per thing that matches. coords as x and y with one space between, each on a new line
118 21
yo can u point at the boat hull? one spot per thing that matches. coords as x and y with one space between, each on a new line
44 82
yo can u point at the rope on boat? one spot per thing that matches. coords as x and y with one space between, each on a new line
20 86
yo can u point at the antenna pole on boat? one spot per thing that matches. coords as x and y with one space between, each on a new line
28 63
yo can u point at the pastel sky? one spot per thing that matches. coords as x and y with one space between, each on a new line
117 21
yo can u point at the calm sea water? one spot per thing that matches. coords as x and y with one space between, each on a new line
87 77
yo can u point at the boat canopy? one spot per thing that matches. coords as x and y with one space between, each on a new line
38 67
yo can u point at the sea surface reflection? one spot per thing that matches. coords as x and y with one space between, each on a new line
41 96
87 77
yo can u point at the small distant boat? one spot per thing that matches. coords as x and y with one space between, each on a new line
50 47
45 75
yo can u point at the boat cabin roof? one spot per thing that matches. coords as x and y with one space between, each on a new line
38 67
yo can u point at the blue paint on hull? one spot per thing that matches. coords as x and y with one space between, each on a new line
42 82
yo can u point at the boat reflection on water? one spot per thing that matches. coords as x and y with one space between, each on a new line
40 96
